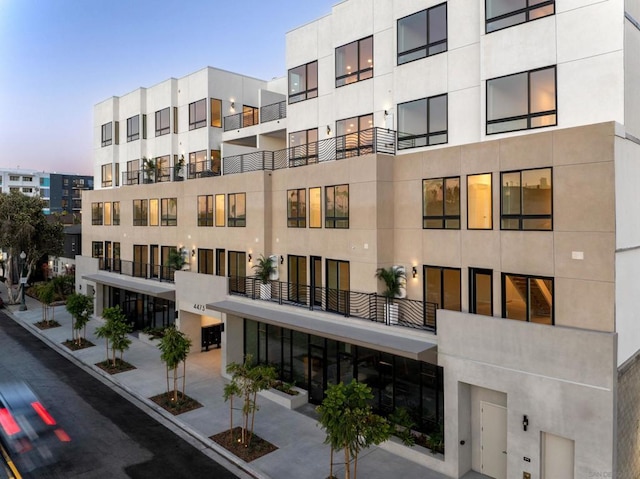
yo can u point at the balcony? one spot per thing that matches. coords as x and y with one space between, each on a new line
374 140
158 175
137 270
370 306
251 116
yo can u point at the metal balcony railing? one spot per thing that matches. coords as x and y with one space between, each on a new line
275 111
374 140
158 175
137 270
371 306
248 117
202 169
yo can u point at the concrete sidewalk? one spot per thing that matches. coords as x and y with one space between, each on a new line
301 452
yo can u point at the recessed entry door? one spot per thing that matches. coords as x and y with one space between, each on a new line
557 457
493 440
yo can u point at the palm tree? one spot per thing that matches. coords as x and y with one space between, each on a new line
394 278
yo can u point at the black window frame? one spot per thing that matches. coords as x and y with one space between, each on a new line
528 277
161 128
529 116
206 261
526 11
306 93
133 128
166 217
428 45
196 122
444 218
97 213
298 220
107 134
233 221
428 135
360 74
520 216
205 218
332 221
140 212
107 172
115 213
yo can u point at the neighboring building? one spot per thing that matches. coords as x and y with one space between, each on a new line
491 152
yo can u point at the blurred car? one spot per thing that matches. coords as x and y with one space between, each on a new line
27 429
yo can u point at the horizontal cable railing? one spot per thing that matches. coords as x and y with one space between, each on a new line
136 269
371 306
272 112
374 140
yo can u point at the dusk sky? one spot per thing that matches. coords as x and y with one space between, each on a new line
58 58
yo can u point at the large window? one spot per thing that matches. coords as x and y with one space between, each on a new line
354 61
237 212
107 213
441 203
216 113
198 165
154 212
205 210
507 13
133 128
140 212
315 207
303 82
163 122
198 114
220 210
96 213
169 212
297 208
97 249
479 202
336 206
107 175
522 101
354 136
527 298
303 147
205 261
442 287
107 134
116 213
422 122
526 200
422 34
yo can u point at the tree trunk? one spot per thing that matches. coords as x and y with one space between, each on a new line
331 464
175 383
184 375
347 463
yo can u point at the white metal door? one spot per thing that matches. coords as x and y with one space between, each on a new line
493 440
557 457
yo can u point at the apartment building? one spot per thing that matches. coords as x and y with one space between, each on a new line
488 149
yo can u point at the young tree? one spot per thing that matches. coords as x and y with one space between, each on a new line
247 380
24 227
348 419
174 347
115 331
46 294
81 308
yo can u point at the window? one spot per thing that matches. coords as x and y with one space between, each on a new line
163 123
422 34
522 101
354 136
338 285
502 14
315 207
163 168
303 82
116 213
237 210
205 210
97 249
14 189
14 178
117 175
250 116
336 206
205 261
422 122
216 113
154 212
198 114
481 291
96 213
527 298
526 200
237 271
354 62
220 262
303 147
175 119
133 173
133 128
27 190
198 166
107 213
442 287
441 203
169 212
479 202
220 210
297 208
107 134
27 179
107 175
140 212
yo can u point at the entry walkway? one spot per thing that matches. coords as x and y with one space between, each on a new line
301 452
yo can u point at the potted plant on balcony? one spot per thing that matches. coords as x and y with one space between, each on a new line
395 279
149 165
264 269
178 169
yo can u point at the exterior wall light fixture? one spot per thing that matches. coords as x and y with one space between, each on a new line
249 257
281 259
525 422
233 105
193 252
328 130
414 271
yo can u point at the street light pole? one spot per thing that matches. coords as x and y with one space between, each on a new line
23 280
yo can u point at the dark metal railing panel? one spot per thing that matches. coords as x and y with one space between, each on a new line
137 269
255 161
233 122
272 112
370 306
203 169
